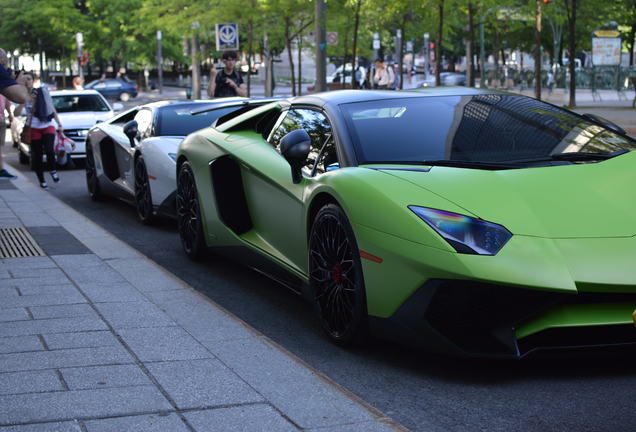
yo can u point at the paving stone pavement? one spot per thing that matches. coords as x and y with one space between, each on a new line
89 345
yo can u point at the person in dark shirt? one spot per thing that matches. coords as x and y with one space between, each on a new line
12 90
227 82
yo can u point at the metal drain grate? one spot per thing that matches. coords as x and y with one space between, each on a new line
18 243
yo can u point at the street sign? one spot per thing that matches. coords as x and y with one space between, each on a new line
606 51
514 14
376 44
332 38
227 37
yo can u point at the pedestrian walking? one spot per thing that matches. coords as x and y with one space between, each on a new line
78 83
228 81
39 130
383 78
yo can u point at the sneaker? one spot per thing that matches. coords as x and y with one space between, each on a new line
55 177
4 174
43 185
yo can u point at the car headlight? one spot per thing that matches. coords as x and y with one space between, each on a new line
173 156
82 132
464 233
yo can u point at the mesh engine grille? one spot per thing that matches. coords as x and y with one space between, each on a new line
18 243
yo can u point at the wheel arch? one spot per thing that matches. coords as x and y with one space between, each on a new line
318 202
180 161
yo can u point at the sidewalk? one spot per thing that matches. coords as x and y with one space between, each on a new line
96 337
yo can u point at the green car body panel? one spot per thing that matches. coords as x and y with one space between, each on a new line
573 226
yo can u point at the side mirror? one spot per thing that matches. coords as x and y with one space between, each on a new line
295 148
117 106
131 129
605 123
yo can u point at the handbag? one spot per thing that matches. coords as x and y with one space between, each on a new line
63 147
25 135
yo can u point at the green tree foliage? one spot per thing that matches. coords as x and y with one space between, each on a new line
123 32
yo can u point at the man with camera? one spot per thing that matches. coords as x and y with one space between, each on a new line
228 81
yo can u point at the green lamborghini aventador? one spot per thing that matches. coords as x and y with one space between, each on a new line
469 222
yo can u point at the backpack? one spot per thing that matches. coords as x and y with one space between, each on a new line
395 79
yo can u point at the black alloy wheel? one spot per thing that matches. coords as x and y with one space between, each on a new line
92 182
143 197
188 213
335 276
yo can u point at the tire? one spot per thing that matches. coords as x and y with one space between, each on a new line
189 220
24 159
124 97
92 182
143 196
335 277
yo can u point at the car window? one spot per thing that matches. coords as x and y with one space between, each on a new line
114 84
479 128
77 103
125 117
178 120
99 85
144 122
322 155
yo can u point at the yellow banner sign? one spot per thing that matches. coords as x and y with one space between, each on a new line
607 33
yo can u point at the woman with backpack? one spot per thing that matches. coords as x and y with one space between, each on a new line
39 130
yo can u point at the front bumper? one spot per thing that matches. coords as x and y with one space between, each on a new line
473 319
535 294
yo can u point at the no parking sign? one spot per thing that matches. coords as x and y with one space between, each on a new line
227 37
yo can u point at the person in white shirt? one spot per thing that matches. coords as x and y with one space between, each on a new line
384 77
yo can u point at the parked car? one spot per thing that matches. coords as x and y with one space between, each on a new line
469 222
447 79
113 88
78 111
335 80
132 156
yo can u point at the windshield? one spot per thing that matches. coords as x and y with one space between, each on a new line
77 103
489 128
177 120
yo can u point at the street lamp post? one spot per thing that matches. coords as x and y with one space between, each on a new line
321 47
427 56
79 38
376 46
159 61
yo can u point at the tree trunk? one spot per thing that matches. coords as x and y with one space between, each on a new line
438 46
343 81
537 51
356 24
572 49
300 64
250 55
196 73
471 46
630 43
288 44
